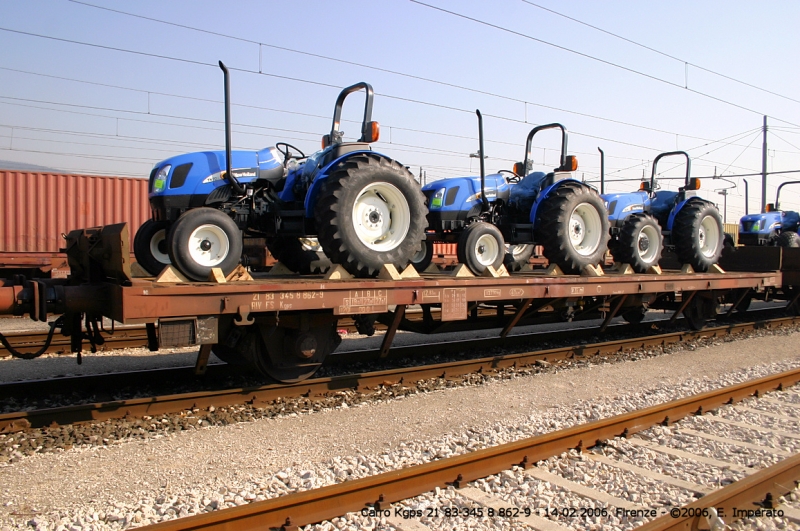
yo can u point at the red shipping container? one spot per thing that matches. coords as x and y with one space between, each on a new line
39 207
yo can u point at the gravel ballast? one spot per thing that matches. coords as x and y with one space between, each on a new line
139 482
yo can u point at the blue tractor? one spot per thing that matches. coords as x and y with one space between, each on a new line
643 222
364 208
773 227
485 214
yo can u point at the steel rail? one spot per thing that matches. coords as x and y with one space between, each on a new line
364 382
753 492
308 507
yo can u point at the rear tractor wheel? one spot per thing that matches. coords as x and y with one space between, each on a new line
370 212
150 246
204 238
572 224
480 246
697 234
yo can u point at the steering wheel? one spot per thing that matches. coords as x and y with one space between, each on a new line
514 177
287 151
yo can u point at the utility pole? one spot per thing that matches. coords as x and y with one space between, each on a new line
724 193
764 169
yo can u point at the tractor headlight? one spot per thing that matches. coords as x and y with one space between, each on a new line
160 182
438 198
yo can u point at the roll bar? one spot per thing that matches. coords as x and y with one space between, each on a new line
336 135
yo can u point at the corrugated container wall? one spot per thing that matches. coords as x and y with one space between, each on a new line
39 207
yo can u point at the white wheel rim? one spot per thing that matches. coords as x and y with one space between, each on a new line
487 250
381 216
647 243
420 255
516 250
585 227
159 240
209 245
708 236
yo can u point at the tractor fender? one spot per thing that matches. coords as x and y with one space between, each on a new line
544 194
322 176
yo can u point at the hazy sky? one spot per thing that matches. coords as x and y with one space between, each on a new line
90 90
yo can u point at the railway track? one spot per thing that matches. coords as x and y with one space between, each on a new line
322 388
758 493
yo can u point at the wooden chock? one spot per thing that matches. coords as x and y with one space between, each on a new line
217 276
526 268
337 273
280 269
389 272
409 272
461 270
138 271
491 272
239 273
592 270
432 268
170 274
553 271
623 269
687 269
655 270
715 268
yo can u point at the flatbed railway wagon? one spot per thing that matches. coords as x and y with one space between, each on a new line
285 325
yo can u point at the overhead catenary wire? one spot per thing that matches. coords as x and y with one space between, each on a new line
594 58
678 59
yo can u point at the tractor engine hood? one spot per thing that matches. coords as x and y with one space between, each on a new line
202 172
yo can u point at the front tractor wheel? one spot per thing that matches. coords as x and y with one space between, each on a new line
204 238
640 243
788 238
150 246
572 224
698 235
371 212
423 258
480 246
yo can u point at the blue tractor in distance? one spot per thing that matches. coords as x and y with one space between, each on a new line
773 227
484 214
643 222
365 209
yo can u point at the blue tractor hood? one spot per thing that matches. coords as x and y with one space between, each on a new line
621 205
462 192
201 172
761 223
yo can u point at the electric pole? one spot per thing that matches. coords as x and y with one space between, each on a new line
764 169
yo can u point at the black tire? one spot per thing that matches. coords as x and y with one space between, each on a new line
728 240
554 228
691 236
640 243
479 246
788 238
423 258
517 255
298 257
344 238
197 229
634 315
150 246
